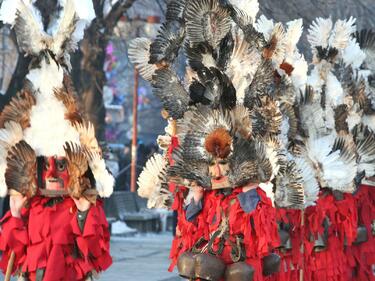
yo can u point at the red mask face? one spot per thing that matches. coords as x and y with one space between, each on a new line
55 174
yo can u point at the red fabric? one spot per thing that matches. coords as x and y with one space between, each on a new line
291 260
331 264
49 236
362 256
259 240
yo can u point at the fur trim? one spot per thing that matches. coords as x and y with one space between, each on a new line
103 179
218 143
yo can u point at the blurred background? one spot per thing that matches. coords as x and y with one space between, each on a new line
127 116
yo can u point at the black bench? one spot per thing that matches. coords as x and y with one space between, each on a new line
130 208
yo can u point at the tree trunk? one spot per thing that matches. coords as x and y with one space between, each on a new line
92 77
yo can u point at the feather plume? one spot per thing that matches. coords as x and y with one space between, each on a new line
289 188
275 49
241 122
243 163
9 135
168 88
366 40
103 179
261 83
77 167
310 183
200 55
18 110
20 173
87 138
31 37
265 26
152 183
266 118
341 114
364 139
175 10
206 21
341 33
242 65
167 43
251 8
72 112
353 55
187 172
63 40
139 55
292 36
319 32
334 162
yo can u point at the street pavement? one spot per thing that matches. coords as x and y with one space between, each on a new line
140 258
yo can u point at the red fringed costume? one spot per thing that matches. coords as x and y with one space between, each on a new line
49 238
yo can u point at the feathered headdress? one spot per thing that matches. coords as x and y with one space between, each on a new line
247 97
44 119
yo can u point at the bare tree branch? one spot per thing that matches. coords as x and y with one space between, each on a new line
161 7
117 11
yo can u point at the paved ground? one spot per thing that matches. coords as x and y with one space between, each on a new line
140 258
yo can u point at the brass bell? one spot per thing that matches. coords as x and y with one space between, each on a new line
239 271
361 235
271 264
185 265
209 267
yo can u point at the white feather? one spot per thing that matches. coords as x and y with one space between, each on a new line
63 31
49 130
310 183
330 167
85 10
292 36
87 138
341 33
353 119
103 179
315 80
150 183
264 26
36 39
353 55
8 11
278 55
319 32
334 91
299 74
369 120
9 136
268 189
242 66
250 7
139 52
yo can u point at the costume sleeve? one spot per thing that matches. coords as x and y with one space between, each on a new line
93 240
13 238
193 209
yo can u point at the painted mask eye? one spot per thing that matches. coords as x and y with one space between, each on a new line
61 165
223 162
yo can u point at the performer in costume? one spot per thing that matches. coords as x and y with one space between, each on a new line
307 124
51 164
225 142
